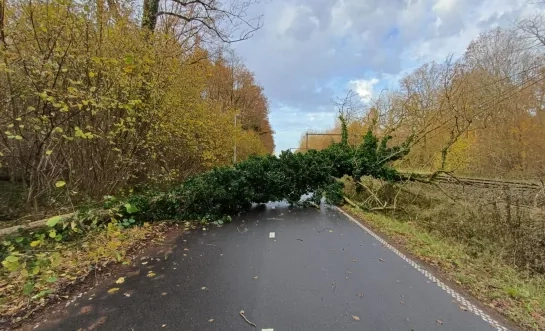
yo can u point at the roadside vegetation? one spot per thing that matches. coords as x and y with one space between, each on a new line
94 104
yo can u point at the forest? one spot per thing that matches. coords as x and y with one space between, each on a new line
100 97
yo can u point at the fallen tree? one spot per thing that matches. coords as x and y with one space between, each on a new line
226 191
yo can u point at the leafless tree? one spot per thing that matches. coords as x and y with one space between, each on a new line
228 21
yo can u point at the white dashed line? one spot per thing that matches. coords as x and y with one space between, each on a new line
463 301
272 235
267 330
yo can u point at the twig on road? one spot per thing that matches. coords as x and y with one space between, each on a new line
247 321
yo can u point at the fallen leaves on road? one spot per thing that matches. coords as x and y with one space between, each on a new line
439 322
151 274
256 277
355 261
356 318
86 310
361 295
381 260
120 280
464 308
211 320
203 288
113 290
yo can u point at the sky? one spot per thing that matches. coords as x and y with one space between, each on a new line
309 52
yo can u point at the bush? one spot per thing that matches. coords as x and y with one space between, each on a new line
507 223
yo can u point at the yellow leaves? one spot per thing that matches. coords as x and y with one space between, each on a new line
92 74
48 152
35 243
83 135
11 262
120 280
60 184
113 290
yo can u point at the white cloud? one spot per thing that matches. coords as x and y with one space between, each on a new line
363 87
443 5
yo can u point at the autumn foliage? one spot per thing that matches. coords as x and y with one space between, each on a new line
481 114
91 99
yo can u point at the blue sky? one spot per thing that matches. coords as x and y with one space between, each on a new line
311 51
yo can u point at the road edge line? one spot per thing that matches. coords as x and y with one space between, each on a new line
457 296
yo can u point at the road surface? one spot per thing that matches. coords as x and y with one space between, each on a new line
320 272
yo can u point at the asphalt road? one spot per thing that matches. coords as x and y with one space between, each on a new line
321 272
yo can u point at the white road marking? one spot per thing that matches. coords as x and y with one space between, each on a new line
272 235
463 301
267 330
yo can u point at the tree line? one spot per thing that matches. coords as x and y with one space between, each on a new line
94 98
481 114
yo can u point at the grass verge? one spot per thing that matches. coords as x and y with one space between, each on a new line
517 295
69 264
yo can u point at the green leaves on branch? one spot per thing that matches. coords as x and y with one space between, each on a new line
260 179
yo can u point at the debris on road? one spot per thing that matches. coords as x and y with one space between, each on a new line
247 321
